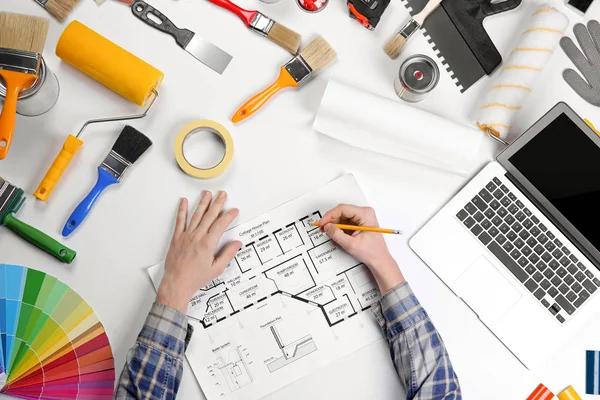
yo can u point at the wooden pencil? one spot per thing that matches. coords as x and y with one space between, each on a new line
364 228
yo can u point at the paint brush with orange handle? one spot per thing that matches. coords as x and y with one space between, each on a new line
314 57
22 39
364 228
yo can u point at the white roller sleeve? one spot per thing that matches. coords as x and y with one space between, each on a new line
371 122
519 72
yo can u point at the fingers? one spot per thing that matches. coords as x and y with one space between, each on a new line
338 236
181 217
226 255
594 28
357 215
586 42
213 212
203 205
576 55
222 223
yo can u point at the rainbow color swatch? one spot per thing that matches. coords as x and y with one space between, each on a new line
52 344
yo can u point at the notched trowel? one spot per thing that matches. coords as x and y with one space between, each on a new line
455 30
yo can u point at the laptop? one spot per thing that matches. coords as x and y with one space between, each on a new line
520 243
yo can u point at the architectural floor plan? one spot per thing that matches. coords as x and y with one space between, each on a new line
289 303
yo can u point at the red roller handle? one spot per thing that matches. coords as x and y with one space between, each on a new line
245 15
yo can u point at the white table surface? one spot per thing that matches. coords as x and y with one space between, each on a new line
278 157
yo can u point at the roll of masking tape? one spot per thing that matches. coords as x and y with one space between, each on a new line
210 126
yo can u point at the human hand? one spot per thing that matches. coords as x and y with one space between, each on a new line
191 262
367 247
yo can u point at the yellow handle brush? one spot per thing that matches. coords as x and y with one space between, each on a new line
22 40
314 57
255 103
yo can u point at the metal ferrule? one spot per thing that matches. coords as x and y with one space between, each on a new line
298 69
20 61
115 165
409 28
11 199
262 24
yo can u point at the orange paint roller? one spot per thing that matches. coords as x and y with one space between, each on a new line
115 68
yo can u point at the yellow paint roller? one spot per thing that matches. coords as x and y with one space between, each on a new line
115 68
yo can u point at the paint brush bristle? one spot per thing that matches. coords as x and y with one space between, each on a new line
284 37
23 32
59 9
318 54
131 144
394 46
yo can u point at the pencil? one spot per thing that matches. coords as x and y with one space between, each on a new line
364 228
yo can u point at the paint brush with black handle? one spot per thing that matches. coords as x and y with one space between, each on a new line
130 145
11 200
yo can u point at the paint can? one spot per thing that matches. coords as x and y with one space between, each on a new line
40 97
417 77
312 6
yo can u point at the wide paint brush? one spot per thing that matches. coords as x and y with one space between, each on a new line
22 39
130 145
11 200
314 57
264 26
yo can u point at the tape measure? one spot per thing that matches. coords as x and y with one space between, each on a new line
210 126
367 12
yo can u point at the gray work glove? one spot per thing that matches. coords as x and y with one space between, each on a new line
588 65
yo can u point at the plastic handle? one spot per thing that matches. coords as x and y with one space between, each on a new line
245 15
15 82
141 9
259 100
39 239
60 164
83 209
490 8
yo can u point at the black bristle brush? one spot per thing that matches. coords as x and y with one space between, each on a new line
130 145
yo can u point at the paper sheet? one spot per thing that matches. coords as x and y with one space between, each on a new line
289 303
396 129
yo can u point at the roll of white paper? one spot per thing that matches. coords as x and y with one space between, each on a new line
371 122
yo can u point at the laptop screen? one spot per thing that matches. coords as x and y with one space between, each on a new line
563 164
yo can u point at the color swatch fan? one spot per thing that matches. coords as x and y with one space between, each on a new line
52 344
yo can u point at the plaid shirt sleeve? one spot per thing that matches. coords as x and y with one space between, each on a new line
416 347
154 366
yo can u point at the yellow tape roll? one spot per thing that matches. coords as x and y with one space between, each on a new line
218 130
109 64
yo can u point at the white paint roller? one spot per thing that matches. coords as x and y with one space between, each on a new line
520 71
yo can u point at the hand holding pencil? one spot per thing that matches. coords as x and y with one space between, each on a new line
366 243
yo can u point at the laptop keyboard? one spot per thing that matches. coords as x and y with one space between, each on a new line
530 251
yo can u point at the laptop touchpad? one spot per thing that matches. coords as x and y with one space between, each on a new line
486 291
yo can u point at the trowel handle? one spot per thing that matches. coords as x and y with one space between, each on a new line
490 8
